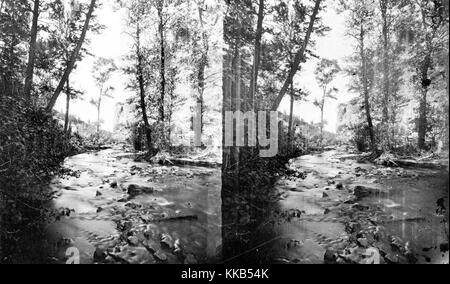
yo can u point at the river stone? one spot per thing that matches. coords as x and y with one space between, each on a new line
167 241
134 190
99 255
361 191
363 242
330 257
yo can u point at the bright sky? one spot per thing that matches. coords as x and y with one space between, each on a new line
110 43
113 43
335 45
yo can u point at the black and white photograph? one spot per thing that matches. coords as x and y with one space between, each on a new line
221 132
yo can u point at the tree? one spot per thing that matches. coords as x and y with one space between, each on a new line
360 25
73 58
431 22
299 57
102 71
326 72
32 51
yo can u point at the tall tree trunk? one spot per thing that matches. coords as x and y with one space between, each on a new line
162 60
386 71
291 120
32 52
257 56
66 119
141 81
366 91
423 108
202 65
322 108
73 58
98 116
298 58
447 79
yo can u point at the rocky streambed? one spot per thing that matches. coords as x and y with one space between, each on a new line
362 213
121 211
332 210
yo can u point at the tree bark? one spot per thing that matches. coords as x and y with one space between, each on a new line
291 120
162 61
423 108
73 58
202 65
32 52
299 57
98 116
66 120
366 91
257 56
322 107
386 71
141 81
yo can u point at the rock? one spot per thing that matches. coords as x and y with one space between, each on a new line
327 211
133 240
125 226
135 190
133 205
150 245
167 241
190 259
99 210
330 257
353 227
339 186
331 182
99 255
363 242
160 256
178 249
360 207
379 233
113 184
324 195
366 191
98 193
350 201
397 244
327 188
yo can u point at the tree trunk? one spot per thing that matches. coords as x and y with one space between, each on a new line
66 120
366 91
32 52
202 66
98 117
386 72
162 61
291 121
299 57
423 109
322 108
447 79
73 58
140 77
256 57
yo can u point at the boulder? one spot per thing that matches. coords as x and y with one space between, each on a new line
135 190
361 191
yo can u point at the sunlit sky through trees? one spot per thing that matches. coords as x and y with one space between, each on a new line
113 42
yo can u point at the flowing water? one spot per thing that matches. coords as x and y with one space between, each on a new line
179 209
